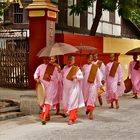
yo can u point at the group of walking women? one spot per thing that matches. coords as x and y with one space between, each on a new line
79 87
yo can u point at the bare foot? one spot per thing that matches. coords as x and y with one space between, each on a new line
100 101
87 111
63 115
117 106
70 122
43 122
73 121
135 97
91 115
111 107
57 113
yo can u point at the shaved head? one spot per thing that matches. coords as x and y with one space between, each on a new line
95 56
112 57
89 58
71 60
71 57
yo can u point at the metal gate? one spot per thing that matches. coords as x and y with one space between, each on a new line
14 55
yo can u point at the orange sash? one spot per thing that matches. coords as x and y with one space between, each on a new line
72 72
48 72
114 69
92 73
99 63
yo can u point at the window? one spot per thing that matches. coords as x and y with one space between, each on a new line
90 16
18 13
73 20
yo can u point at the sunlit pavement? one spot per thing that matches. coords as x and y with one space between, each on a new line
108 124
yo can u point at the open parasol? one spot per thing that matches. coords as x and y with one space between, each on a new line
87 48
57 49
135 51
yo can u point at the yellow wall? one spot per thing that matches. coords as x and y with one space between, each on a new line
124 61
118 45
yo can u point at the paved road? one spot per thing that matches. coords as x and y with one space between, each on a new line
108 124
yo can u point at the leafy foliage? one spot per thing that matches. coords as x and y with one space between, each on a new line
82 5
3 6
135 14
126 8
109 5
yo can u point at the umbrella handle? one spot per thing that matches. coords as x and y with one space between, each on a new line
58 60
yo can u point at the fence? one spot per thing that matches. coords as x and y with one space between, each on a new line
14 55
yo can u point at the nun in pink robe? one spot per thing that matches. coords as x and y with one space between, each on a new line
72 97
90 89
134 74
102 69
58 84
50 87
114 85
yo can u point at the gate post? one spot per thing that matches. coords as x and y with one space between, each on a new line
42 17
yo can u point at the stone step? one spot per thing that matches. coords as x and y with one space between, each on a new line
10 115
9 109
7 103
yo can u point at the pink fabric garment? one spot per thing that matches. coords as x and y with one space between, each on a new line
135 77
50 86
102 68
90 89
58 94
113 91
72 97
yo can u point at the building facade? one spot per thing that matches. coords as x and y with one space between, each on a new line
111 24
114 34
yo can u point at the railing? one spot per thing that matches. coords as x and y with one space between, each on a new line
14 51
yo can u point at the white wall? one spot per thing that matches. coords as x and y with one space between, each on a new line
104 26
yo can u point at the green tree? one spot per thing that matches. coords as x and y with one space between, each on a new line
136 17
4 6
126 8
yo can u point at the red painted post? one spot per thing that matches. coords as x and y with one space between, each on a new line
42 17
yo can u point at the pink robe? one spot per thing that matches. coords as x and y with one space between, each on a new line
135 77
72 97
113 91
50 86
90 89
58 94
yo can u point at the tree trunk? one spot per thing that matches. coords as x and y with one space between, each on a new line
97 18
